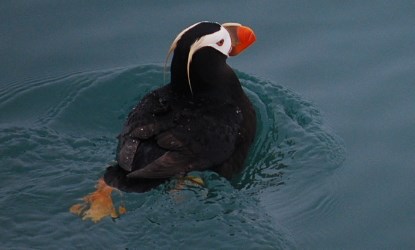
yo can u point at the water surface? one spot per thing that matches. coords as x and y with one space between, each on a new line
333 163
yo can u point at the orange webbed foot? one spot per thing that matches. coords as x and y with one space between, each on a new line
98 205
183 182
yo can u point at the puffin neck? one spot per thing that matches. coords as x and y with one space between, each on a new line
178 71
209 75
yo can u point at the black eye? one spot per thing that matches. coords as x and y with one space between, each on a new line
220 43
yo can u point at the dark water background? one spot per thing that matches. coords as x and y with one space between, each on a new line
333 165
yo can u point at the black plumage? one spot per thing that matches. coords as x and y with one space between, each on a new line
174 129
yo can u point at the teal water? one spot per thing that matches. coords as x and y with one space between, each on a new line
332 165
55 155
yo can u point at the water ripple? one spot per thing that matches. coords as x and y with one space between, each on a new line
294 161
291 136
56 135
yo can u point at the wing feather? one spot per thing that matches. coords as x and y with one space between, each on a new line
161 140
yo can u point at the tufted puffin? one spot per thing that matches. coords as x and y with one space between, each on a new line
201 120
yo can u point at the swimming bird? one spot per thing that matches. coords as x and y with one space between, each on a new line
201 120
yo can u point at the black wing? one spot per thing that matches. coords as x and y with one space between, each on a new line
162 138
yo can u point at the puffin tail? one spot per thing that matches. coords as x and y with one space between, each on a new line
116 177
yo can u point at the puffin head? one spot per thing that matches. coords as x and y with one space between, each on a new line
228 39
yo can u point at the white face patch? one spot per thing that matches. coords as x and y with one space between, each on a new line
220 40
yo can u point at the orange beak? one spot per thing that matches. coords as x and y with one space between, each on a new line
242 37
